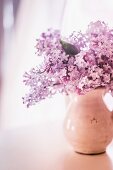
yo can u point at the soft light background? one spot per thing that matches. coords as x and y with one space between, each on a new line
18 56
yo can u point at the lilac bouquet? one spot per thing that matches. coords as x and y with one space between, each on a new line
77 64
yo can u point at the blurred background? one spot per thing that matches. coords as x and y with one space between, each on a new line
21 22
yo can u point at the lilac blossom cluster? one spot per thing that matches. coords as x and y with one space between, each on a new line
77 64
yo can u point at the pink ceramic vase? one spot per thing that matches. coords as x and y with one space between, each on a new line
88 125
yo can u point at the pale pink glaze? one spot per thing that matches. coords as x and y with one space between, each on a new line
88 125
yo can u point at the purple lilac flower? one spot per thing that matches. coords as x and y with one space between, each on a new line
76 64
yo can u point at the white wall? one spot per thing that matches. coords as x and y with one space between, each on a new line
34 17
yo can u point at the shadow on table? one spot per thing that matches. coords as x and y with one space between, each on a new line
76 161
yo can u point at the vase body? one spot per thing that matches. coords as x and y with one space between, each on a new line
88 125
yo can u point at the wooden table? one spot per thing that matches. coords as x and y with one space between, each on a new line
43 147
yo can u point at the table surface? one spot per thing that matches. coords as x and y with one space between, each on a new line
43 147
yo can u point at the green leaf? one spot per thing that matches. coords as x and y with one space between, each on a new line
70 49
